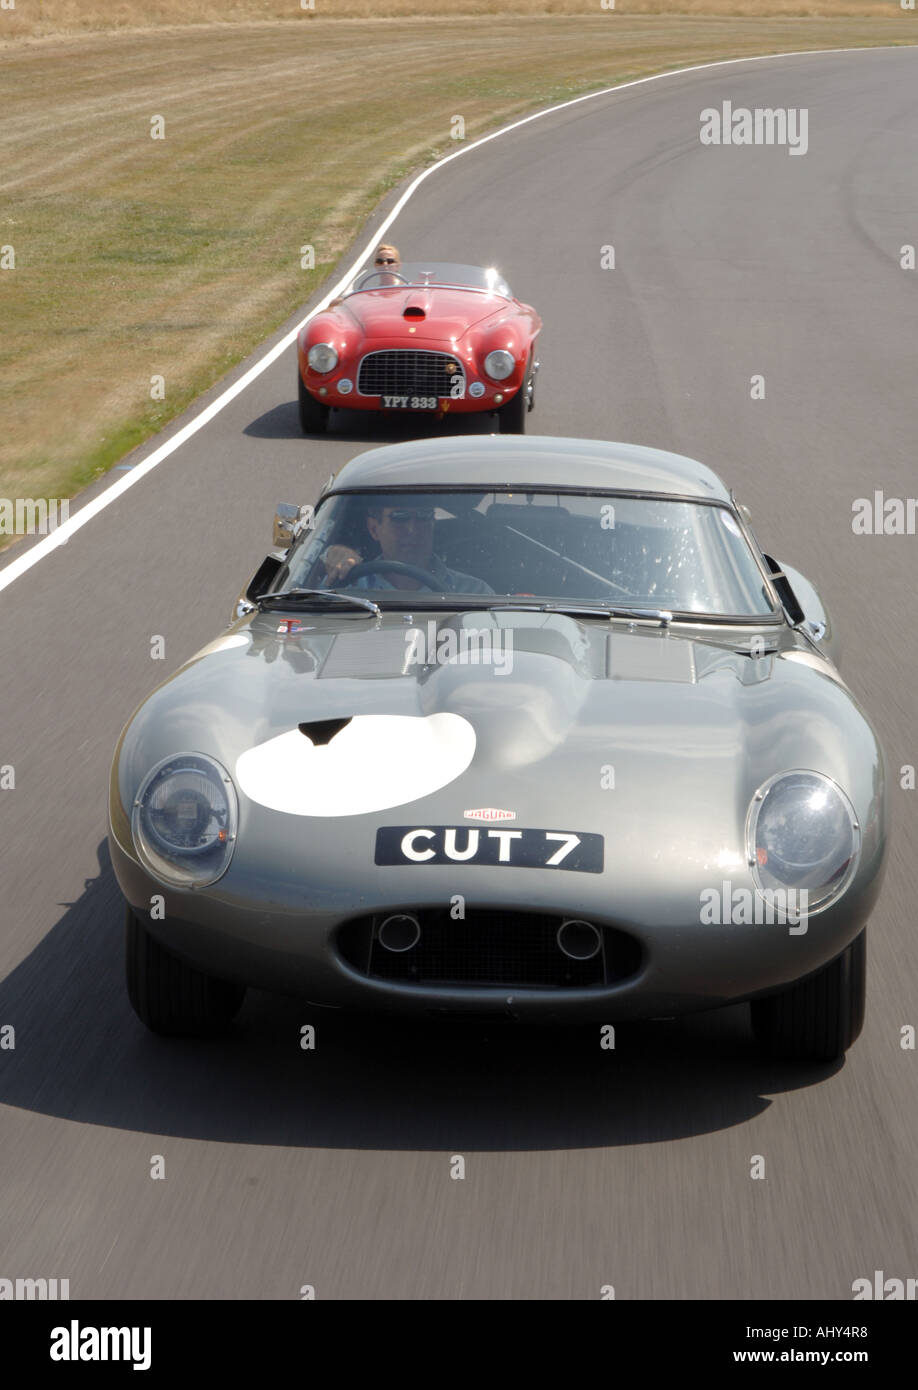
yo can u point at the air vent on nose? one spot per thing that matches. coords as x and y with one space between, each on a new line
414 311
323 730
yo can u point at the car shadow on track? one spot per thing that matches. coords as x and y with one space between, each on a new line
363 427
370 1083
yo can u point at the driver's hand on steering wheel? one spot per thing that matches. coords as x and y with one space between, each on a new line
339 560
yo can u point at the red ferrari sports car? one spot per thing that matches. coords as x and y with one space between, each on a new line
427 338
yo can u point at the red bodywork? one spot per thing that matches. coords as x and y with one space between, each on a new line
463 323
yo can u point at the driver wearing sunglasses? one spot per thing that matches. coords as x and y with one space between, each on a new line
404 534
386 258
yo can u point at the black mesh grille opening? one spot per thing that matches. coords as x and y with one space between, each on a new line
403 372
487 948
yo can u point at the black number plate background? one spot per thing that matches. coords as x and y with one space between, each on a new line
531 851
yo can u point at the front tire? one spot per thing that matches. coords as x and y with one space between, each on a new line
818 1019
172 998
512 416
313 414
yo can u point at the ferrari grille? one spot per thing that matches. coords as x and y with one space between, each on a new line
406 372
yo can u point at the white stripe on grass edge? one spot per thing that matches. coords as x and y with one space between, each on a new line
59 537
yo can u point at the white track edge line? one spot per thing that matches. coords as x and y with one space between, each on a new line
62 534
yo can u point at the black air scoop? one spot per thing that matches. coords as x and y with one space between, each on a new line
324 730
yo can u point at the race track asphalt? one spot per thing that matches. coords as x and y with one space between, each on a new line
583 1167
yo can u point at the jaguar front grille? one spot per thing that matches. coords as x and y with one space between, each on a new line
428 947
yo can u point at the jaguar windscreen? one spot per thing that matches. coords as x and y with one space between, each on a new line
686 556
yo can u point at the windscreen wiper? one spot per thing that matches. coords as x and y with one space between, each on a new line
578 610
313 598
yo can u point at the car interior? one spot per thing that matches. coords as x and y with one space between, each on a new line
542 547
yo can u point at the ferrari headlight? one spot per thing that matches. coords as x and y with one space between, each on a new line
184 820
322 357
802 833
499 364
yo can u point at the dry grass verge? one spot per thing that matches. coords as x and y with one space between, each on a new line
40 18
137 258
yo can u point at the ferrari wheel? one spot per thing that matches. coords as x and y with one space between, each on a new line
171 997
819 1018
512 416
313 414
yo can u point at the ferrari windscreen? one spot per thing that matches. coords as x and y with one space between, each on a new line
474 277
677 554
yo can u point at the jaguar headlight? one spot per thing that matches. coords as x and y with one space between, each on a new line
322 357
184 820
802 833
499 364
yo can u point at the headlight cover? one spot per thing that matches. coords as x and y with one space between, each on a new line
802 833
184 820
499 364
322 357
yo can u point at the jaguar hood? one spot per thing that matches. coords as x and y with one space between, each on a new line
552 720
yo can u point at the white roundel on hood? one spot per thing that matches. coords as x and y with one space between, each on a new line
374 762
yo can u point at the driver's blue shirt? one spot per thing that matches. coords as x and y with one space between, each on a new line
453 581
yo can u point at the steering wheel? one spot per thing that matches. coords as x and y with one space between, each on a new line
368 275
383 566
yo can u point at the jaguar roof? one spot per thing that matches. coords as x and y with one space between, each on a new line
495 460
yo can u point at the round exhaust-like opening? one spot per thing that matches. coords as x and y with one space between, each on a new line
579 940
400 932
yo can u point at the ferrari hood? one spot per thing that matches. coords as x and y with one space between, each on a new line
442 314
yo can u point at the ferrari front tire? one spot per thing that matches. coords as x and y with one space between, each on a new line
512 416
172 998
313 414
819 1018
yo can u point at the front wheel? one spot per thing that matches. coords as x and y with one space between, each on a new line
313 414
512 416
171 997
819 1018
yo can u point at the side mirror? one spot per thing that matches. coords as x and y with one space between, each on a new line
286 516
289 521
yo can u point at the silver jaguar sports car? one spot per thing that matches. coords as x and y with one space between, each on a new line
522 727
